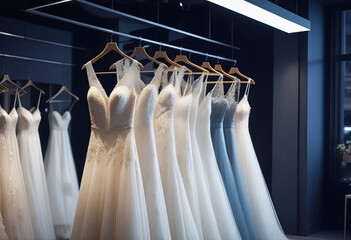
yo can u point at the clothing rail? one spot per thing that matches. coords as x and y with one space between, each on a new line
97 6
101 29
40 40
36 60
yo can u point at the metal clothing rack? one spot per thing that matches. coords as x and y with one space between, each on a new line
36 60
112 32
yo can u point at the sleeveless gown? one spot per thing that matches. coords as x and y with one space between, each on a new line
228 128
111 202
266 222
184 148
208 219
219 109
61 176
180 217
146 146
33 171
221 206
13 197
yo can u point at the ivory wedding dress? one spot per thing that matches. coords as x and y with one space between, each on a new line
111 202
61 176
221 206
180 218
33 171
219 109
208 220
3 235
228 129
146 146
183 146
266 222
13 196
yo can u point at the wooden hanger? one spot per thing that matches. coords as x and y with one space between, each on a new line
141 51
3 88
31 83
111 46
62 89
184 59
235 70
6 78
208 66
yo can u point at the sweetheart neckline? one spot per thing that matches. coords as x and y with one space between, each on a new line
8 114
30 112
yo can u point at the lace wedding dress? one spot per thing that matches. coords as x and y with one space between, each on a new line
228 129
33 171
183 146
13 197
3 235
111 202
221 206
61 176
180 217
219 109
266 222
146 146
208 220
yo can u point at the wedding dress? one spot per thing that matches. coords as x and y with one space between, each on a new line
3 235
219 109
61 176
180 217
13 196
221 206
208 219
146 146
228 128
266 222
184 148
33 171
111 201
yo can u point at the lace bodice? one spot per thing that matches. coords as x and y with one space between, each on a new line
28 120
232 104
59 122
8 121
165 103
219 104
117 110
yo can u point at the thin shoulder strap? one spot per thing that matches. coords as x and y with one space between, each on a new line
91 74
218 90
39 100
17 96
159 74
237 94
204 87
70 108
247 90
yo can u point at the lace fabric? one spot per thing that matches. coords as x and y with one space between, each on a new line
14 204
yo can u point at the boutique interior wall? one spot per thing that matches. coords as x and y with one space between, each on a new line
287 102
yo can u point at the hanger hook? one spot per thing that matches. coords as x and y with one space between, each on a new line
234 63
189 55
206 57
181 49
111 35
140 39
29 68
218 59
160 45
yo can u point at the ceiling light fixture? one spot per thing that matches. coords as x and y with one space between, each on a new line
268 13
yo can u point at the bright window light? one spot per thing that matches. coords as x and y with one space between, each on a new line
275 19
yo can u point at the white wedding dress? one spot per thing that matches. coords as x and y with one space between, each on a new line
13 196
221 206
33 171
111 202
61 176
3 234
146 146
266 221
180 218
183 146
208 220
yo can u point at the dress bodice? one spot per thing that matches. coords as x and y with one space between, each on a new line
219 105
59 122
232 104
28 120
115 111
165 103
8 121
242 113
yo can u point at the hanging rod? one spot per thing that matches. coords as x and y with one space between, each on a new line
140 20
36 60
41 40
101 29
